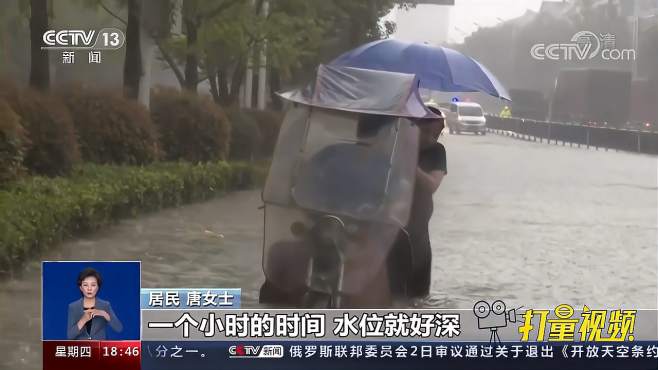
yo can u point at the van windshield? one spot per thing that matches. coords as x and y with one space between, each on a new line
470 111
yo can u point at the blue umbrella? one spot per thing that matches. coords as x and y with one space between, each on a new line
437 68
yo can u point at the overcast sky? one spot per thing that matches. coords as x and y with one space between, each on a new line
466 15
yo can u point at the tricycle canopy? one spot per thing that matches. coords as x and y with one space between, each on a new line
347 149
363 91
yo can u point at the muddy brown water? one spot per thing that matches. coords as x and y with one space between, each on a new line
533 224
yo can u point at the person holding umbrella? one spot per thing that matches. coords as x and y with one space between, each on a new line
438 69
432 168
411 268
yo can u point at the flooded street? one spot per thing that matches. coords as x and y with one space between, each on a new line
534 224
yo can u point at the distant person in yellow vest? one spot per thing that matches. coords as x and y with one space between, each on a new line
506 112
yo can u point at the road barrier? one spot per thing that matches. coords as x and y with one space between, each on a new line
580 135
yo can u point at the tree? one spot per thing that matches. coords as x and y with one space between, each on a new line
226 43
218 40
39 64
348 25
132 66
300 34
14 35
196 13
293 30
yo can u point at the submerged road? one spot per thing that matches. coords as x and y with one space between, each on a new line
534 224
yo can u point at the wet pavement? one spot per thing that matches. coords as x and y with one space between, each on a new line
534 224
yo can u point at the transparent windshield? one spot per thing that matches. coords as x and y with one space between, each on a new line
347 159
286 155
471 111
348 165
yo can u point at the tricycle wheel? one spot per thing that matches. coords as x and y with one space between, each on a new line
270 294
313 299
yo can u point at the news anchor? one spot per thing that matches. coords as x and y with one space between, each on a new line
89 316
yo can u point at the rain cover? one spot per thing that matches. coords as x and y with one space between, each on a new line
363 91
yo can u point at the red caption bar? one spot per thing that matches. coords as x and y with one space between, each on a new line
97 355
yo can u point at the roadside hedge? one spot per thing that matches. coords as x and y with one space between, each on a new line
269 123
111 129
53 146
246 139
13 144
192 127
37 212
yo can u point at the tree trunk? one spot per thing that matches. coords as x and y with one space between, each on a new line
275 85
132 66
39 65
191 61
212 80
236 81
171 62
223 87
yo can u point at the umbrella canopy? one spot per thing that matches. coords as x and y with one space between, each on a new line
363 91
437 68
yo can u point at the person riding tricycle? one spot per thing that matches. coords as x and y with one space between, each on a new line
339 193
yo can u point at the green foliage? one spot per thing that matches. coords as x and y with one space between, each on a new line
295 31
225 39
246 138
300 34
327 29
111 128
13 144
37 212
191 127
361 18
53 148
253 133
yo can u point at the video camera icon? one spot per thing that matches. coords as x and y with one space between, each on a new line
493 317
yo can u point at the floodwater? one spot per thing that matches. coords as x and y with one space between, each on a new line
534 224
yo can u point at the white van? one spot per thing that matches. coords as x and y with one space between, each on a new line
465 117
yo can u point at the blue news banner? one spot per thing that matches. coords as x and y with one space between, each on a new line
205 329
361 355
